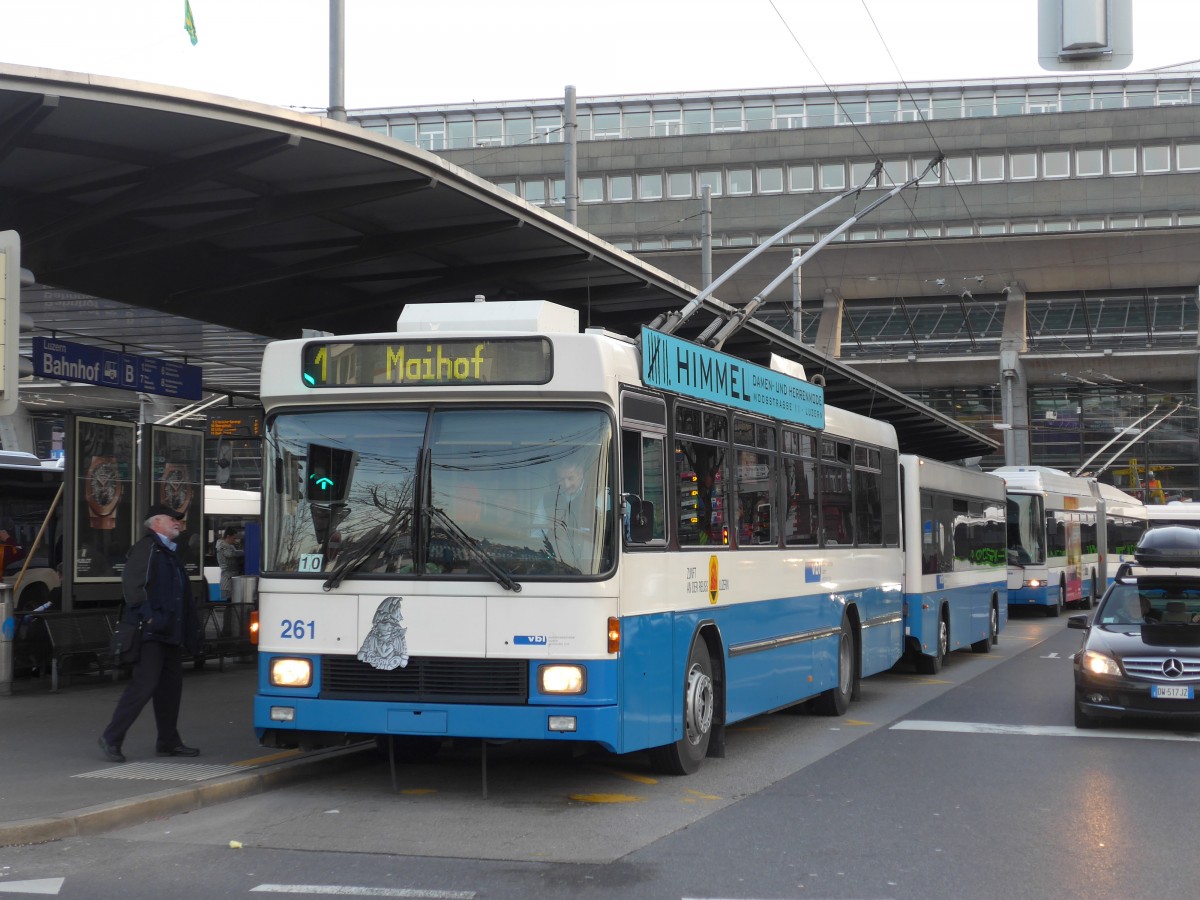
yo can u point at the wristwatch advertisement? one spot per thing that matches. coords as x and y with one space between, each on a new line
176 480
103 466
103 489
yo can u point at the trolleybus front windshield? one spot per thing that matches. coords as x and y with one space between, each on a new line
1025 530
440 493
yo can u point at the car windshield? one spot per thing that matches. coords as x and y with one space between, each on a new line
1155 602
440 493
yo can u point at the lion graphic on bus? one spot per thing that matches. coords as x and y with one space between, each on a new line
385 646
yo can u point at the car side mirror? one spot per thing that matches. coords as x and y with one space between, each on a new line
1080 621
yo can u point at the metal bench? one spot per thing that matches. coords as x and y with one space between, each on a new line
80 635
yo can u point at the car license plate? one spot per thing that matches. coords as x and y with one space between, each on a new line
1171 691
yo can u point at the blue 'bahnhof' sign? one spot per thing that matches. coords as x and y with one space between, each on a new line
68 361
679 366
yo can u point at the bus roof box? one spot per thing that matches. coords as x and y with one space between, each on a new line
1174 546
529 316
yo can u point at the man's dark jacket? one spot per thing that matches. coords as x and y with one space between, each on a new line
157 591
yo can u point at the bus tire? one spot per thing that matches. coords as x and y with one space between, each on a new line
836 700
1053 612
684 756
931 663
985 646
995 620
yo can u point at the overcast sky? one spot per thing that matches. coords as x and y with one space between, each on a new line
403 52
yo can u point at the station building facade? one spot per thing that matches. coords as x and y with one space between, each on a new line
1039 277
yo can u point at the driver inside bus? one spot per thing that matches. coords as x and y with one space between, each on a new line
568 516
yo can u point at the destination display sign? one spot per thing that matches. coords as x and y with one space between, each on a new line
426 363
681 367
68 361
234 423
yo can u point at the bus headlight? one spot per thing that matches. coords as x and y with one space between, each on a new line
1033 582
562 680
287 672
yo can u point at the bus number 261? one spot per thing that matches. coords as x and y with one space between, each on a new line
297 629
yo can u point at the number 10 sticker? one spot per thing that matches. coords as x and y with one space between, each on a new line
311 562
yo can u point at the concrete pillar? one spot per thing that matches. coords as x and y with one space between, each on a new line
829 328
1014 387
16 431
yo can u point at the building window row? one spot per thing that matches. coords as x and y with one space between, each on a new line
442 131
971 168
920 231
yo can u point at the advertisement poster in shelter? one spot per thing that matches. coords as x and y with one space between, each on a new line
103 469
176 480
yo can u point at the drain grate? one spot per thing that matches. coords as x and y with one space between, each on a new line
155 771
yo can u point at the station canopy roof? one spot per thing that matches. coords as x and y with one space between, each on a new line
210 225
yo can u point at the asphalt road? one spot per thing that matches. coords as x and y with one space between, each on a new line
970 783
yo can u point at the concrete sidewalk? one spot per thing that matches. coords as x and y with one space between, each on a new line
54 781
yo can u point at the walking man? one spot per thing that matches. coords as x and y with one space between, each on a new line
157 593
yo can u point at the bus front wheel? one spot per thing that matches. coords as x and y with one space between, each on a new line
699 701
1061 601
985 646
931 664
835 701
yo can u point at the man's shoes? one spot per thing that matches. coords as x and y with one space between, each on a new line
178 750
111 751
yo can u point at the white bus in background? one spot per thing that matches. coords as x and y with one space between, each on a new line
1177 512
28 490
955 590
223 508
1125 521
1060 529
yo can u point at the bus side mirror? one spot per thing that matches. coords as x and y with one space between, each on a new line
641 520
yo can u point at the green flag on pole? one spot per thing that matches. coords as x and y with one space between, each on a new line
189 24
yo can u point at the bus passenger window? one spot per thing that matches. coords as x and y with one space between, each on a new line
643 486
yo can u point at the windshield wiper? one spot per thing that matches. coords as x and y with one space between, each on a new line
375 539
469 544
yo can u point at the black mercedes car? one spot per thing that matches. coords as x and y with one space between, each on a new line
1141 651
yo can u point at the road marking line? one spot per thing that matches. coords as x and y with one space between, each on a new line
40 886
606 798
346 890
1039 730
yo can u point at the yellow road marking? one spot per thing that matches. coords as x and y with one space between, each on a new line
701 796
632 776
606 798
416 791
856 722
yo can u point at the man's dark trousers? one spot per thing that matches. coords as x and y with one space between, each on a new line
158 674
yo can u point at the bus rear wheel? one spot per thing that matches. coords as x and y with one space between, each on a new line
699 702
836 700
